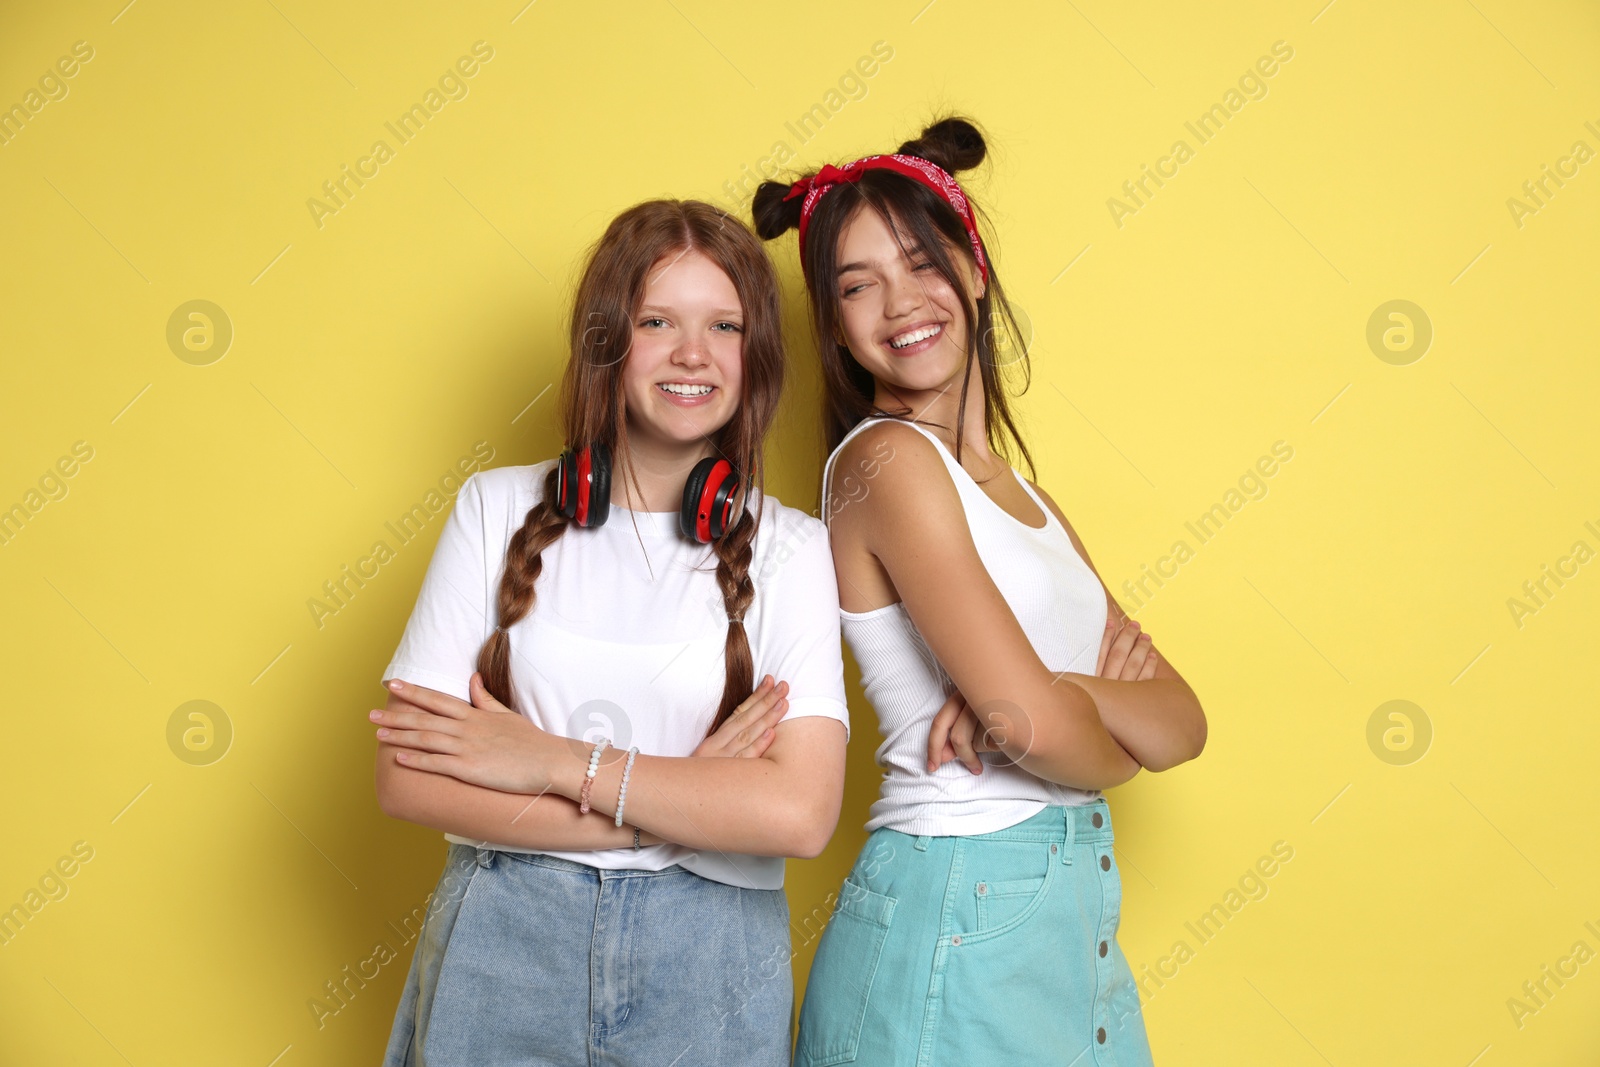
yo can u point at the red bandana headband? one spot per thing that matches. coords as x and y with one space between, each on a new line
914 167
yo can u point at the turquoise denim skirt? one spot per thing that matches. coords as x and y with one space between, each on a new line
997 948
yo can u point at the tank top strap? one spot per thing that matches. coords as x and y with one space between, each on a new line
963 481
827 468
1050 519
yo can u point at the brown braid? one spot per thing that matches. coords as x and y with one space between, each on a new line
524 560
733 577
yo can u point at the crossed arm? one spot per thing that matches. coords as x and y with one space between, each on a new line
1076 729
482 771
442 802
1158 720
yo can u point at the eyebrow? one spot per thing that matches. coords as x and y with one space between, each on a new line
912 251
725 312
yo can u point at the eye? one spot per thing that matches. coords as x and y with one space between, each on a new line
647 322
733 327
924 266
852 290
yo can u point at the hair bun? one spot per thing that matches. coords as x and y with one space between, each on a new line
773 215
953 143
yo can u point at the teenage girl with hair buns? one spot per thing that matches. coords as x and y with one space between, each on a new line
978 925
585 644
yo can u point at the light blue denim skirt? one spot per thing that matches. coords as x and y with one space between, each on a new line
535 960
997 948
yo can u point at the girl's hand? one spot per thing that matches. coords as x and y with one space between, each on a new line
956 733
1126 653
750 730
483 743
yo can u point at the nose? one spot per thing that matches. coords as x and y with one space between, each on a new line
692 353
903 295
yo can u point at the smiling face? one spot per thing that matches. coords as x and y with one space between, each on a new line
901 320
684 371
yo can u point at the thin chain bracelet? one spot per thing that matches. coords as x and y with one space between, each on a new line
588 775
622 790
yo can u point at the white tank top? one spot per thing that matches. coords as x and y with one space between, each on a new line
1060 605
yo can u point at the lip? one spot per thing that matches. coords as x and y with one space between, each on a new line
686 401
922 345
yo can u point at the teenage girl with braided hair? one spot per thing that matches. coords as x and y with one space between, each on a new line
585 644
978 925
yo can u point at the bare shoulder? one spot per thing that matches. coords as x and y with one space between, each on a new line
891 453
891 474
879 444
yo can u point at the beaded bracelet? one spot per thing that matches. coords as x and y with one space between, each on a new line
588 775
622 790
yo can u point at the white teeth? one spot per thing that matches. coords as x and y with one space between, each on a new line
684 390
914 336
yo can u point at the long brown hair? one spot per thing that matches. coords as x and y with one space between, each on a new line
908 207
593 410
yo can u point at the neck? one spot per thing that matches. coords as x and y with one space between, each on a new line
660 468
942 406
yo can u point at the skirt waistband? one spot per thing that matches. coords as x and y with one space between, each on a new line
1088 823
1081 823
485 857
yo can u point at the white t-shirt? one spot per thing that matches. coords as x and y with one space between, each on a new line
625 638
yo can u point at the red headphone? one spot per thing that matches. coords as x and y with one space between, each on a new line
583 492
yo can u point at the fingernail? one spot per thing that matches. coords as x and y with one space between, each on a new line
395 684
375 715
383 733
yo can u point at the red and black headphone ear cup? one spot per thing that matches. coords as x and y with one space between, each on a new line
722 504
583 485
599 484
708 500
689 511
566 477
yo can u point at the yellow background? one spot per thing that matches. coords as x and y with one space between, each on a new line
1228 313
